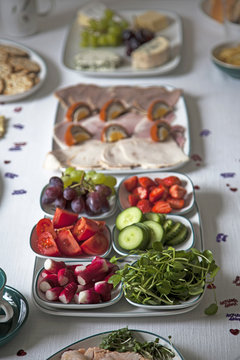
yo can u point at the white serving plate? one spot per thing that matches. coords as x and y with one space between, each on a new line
34 247
186 183
42 74
95 340
123 308
186 245
183 305
116 296
173 33
50 208
181 118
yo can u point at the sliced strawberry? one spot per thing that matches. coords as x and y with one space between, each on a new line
159 181
63 218
157 193
146 182
162 207
176 203
141 192
144 205
171 180
133 199
131 183
67 244
177 191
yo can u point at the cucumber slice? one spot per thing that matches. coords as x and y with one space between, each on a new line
180 238
133 237
174 231
156 232
128 217
159 218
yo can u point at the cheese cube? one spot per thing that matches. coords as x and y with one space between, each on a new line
151 20
151 54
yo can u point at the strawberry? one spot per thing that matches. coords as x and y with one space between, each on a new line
156 193
144 205
176 203
146 182
133 199
131 183
141 192
162 207
159 181
177 191
171 180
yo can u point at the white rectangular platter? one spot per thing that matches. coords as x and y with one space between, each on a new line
122 308
173 32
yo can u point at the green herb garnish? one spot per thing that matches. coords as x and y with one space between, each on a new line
122 340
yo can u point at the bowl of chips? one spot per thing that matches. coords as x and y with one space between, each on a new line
226 56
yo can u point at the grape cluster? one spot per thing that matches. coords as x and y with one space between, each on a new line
80 192
106 31
134 38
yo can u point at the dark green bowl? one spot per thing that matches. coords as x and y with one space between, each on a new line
231 70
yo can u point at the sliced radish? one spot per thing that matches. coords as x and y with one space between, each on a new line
65 276
89 296
53 266
68 293
103 288
53 294
48 282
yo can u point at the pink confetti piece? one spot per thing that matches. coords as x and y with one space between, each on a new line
18 109
211 286
7 161
233 189
237 281
234 331
196 187
229 302
21 352
196 157
20 143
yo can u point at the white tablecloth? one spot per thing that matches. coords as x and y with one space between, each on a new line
213 105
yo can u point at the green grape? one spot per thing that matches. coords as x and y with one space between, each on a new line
110 181
103 24
84 43
76 175
108 13
115 30
67 181
124 24
85 34
89 174
112 39
93 24
102 40
93 40
69 170
98 178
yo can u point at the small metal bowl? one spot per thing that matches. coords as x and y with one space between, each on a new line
231 70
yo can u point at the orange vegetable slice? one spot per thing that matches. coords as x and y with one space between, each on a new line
158 109
75 134
113 132
160 131
111 110
78 112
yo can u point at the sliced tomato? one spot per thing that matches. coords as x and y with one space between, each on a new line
64 218
47 245
67 244
44 225
96 245
85 228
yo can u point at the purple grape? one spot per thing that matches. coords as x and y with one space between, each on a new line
96 203
46 200
69 193
127 35
144 35
52 193
103 190
78 205
60 202
56 181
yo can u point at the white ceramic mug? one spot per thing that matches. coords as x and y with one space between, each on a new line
5 306
20 17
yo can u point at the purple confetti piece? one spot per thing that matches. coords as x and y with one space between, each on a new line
19 192
18 126
18 109
205 132
15 148
10 175
221 237
228 174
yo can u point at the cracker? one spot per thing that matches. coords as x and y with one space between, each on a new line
3 56
13 51
2 85
20 63
5 70
17 83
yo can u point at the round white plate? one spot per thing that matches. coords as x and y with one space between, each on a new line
42 74
34 247
186 245
116 296
96 339
186 183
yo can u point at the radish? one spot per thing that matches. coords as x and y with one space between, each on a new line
85 287
103 288
89 296
48 282
45 273
53 266
53 294
65 276
68 293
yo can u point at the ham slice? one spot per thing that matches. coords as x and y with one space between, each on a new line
96 353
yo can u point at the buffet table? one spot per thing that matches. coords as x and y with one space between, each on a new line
213 110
